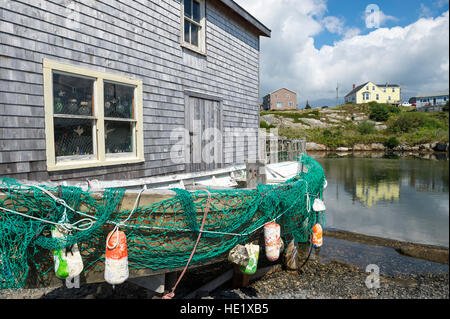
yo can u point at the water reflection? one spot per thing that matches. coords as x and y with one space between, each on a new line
370 194
404 199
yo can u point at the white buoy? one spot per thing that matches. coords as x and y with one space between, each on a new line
319 205
272 240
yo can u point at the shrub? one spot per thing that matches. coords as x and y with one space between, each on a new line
327 133
408 122
366 127
445 107
379 113
392 142
264 125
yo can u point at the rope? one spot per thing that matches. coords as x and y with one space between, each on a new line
116 228
172 293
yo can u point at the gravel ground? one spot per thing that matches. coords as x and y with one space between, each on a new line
339 281
316 281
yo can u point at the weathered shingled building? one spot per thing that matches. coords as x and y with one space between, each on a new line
95 89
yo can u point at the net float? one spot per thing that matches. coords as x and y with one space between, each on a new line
116 258
319 205
253 252
272 240
317 236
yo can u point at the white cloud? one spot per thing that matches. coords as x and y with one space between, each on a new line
415 56
379 18
425 12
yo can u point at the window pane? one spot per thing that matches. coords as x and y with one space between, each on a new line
73 137
196 11
119 100
72 94
118 137
194 35
187 27
188 8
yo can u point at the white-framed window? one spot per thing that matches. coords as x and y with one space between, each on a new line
373 88
389 98
367 88
288 96
384 90
378 96
92 118
393 90
291 104
193 25
366 96
279 105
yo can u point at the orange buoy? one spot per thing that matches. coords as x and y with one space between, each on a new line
317 236
272 240
116 258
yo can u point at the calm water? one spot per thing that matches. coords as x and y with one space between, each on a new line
403 199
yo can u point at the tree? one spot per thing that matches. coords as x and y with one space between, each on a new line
307 107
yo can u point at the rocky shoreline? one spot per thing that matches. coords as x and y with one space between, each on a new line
427 148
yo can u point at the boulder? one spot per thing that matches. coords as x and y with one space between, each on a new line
441 147
377 147
313 123
342 149
311 146
270 119
362 147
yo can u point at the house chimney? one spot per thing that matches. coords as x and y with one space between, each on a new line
354 86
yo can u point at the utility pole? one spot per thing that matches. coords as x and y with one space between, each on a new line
337 93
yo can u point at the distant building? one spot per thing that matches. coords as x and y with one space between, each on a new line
282 99
381 93
432 101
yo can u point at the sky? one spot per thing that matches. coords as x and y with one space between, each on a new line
318 45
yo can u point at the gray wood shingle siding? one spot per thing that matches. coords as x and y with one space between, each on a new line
138 39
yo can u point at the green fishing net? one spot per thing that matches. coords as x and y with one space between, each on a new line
159 236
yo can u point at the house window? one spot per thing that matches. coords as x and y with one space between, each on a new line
288 96
91 118
373 88
366 96
389 98
291 104
193 25
393 89
279 105
384 90
378 96
367 88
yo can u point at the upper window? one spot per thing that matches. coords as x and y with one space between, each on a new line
393 89
373 88
91 118
193 25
